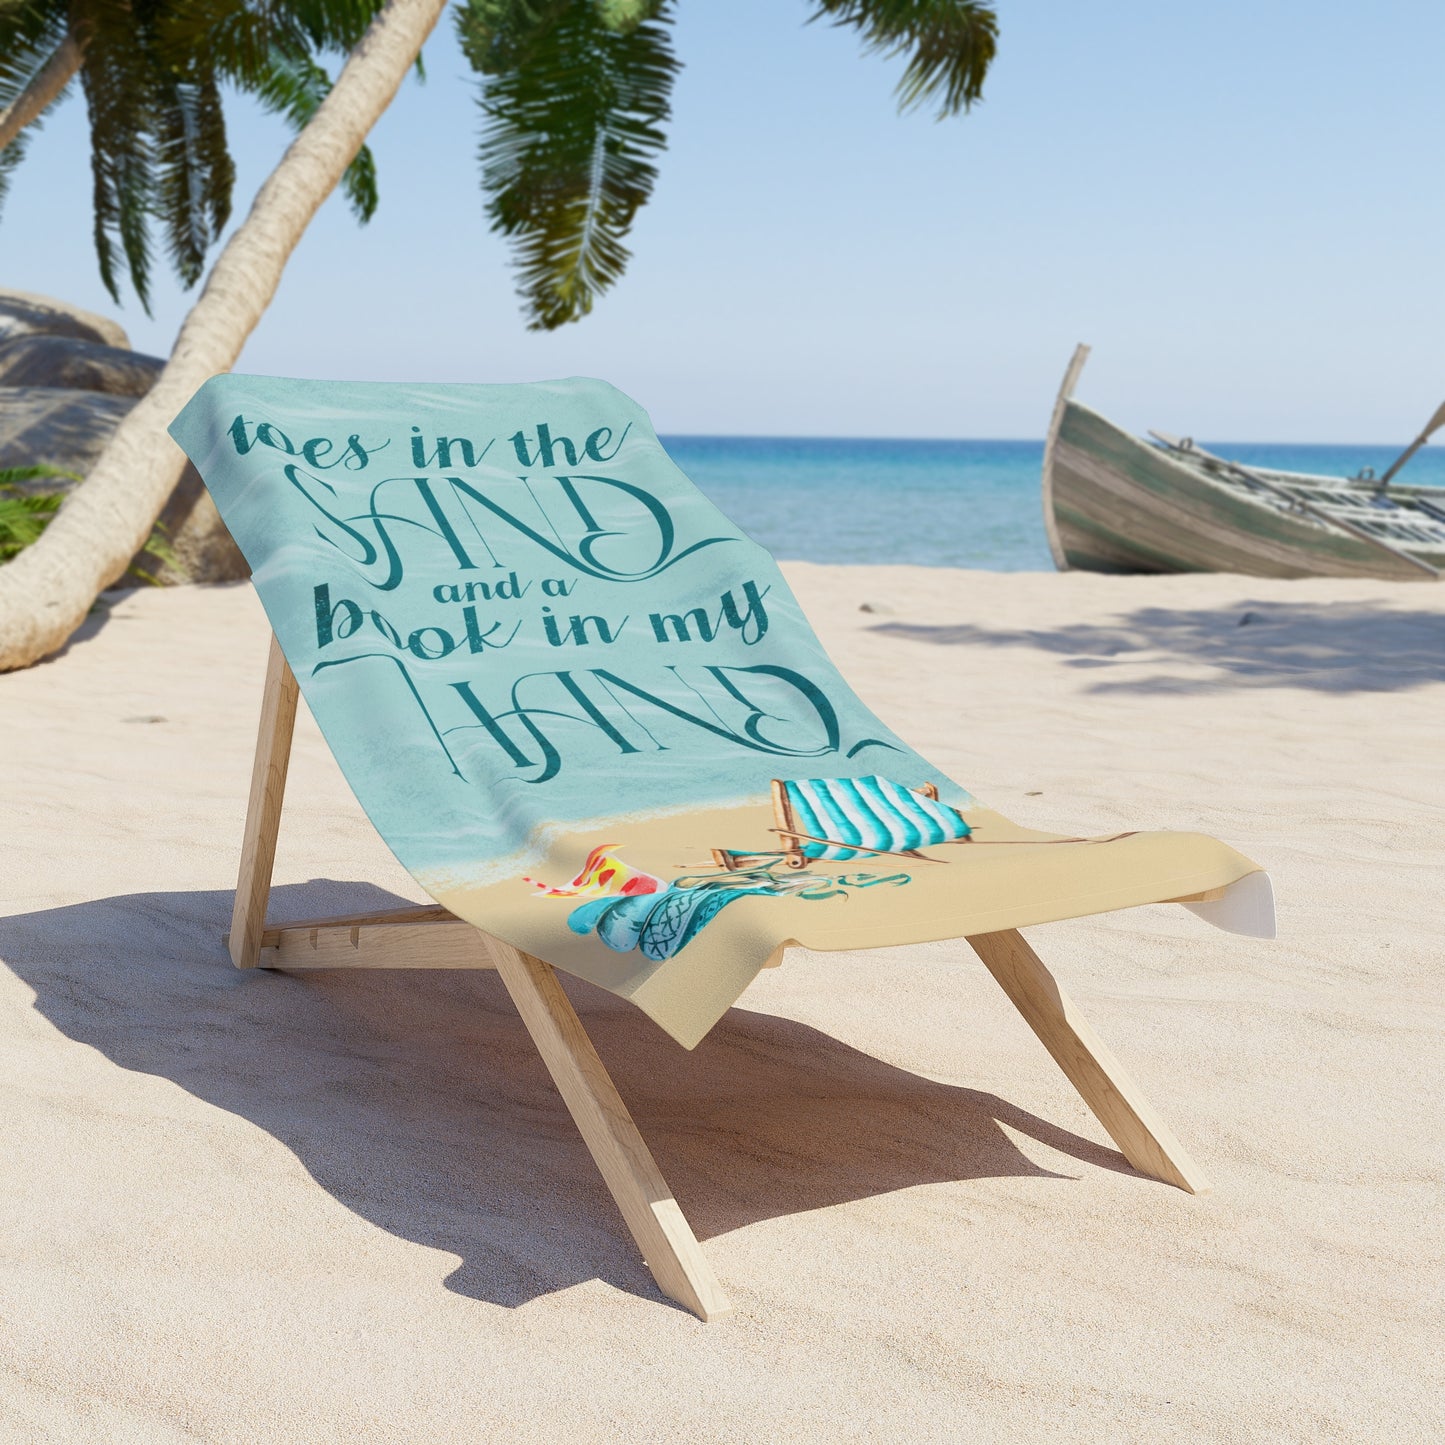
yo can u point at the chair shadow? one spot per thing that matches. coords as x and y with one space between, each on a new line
415 1098
1320 647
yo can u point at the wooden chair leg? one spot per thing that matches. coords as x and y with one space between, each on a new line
1142 1136
263 811
666 1239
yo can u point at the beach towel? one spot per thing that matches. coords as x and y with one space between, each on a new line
561 682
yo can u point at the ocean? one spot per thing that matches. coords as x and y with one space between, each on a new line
934 503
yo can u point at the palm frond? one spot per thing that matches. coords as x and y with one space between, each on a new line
23 515
497 34
575 93
152 72
336 25
293 85
950 45
157 545
269 50
29 36
11 157
194 170
235 37
11 477
624 14
116 76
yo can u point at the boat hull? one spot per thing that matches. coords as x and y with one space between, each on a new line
1116 504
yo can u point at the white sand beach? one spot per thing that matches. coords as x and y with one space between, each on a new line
350 1207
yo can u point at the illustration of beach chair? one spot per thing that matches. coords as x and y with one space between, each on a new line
316 543
840 819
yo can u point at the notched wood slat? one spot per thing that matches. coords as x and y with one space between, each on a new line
437 939
410 913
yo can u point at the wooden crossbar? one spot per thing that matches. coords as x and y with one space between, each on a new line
429 936
444 942
263 809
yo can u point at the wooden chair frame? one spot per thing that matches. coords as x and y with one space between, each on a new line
431 937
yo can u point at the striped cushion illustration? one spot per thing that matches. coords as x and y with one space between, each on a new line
859 816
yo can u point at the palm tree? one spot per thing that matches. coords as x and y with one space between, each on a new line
575 93
575 96
152 76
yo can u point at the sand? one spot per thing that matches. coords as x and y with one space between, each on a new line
341 1207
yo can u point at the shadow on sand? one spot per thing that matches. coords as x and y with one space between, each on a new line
1321 647
416 1099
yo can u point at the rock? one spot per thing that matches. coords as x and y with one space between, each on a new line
23 313
881 608
66 380
67 361
57 426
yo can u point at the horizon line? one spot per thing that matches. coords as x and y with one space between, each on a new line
1009 441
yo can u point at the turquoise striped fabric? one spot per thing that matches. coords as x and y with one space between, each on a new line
859 816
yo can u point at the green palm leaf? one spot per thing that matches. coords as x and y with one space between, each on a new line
116 75
194 170
949 43
22 519
293 85
25 514
152 72
575 95
29 35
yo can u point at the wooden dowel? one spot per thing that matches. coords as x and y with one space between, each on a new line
1143 1137
263 810
664 1236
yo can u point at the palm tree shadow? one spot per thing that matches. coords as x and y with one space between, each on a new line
1339 647
416 1099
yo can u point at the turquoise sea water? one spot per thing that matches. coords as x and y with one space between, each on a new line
934 503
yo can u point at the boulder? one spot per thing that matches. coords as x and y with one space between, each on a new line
67 377
57 426
23 313
66 361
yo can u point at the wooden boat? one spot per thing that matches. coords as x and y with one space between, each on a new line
1115 503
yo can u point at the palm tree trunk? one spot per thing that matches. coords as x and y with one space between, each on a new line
47 590
45 85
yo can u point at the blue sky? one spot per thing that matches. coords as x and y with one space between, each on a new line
1239 205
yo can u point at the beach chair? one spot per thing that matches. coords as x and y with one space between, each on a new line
557 678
